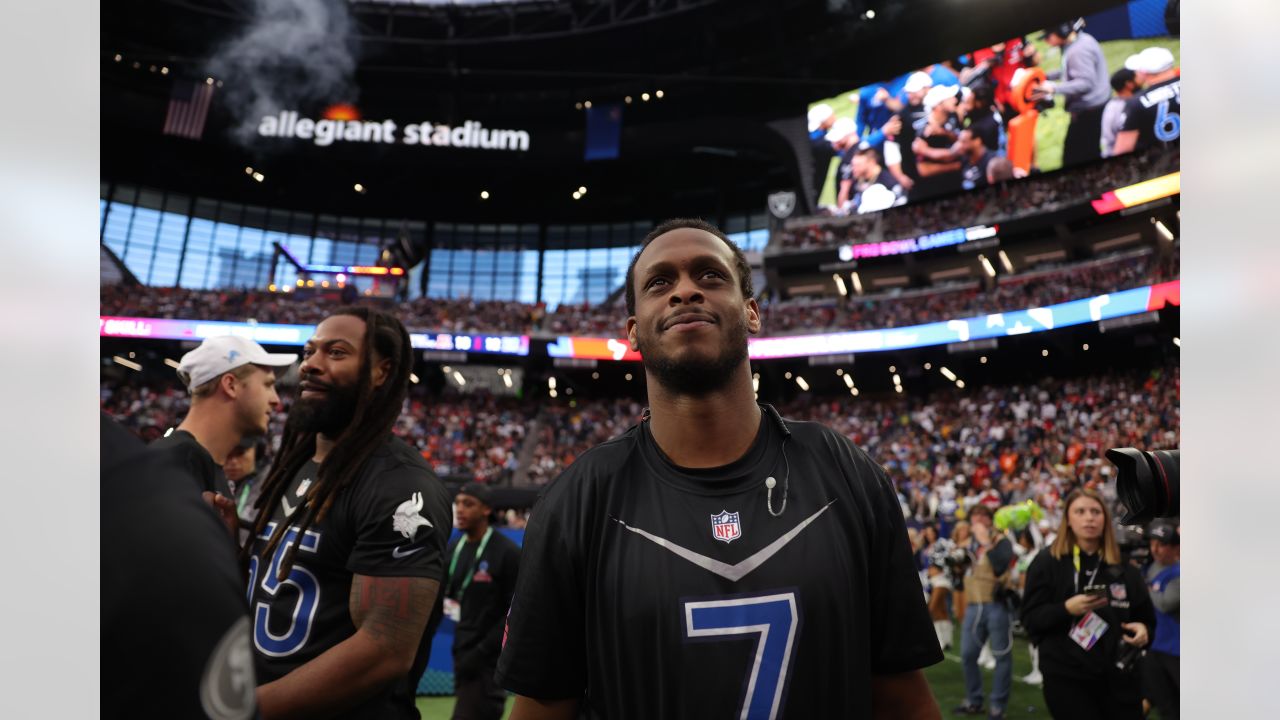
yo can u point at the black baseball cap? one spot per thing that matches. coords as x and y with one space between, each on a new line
1164 532
478 491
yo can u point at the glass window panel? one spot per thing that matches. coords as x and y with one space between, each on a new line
195 264
116 232
141 245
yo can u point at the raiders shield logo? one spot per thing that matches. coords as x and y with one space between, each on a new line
725 527
782 204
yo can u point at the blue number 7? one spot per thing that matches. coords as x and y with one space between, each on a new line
775 619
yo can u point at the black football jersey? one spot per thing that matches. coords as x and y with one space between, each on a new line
654 591
1155 114
392 521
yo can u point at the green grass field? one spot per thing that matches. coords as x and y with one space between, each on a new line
1051 128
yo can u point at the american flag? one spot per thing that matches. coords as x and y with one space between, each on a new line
188 107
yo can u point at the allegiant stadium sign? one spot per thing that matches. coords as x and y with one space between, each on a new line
470 134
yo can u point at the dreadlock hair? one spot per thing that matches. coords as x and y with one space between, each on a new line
376 411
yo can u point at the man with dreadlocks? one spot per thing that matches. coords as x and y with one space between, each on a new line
346 555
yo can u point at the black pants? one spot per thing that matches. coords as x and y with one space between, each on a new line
1160 683
1070 698
479 698
1084 137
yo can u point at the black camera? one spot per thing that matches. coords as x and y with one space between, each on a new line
1147 484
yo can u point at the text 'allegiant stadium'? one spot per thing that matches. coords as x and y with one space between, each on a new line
470 134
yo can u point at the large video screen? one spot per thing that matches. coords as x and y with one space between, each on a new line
1085 89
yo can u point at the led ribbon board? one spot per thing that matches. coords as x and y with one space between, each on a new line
273 334
1134 195
1017 322
954 236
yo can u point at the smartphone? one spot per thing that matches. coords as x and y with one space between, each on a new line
1096 592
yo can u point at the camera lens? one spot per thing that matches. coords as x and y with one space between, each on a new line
1147 483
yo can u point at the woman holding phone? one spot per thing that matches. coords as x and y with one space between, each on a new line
1090 615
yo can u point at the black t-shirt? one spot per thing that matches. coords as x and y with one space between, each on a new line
975 173
941 183
207 473
392 521
913 119
986 125
478 637
1155 114
175 628
645 586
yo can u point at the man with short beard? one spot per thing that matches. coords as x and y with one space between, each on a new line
715 560
346 556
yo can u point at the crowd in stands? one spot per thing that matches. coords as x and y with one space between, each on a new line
953 448
991 205
892 309
1013 292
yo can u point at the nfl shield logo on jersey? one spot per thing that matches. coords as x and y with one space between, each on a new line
1118 591
725 526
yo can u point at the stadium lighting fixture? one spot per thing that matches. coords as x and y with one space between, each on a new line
324 283
644 97
839 371
413 378
897 379
577 195
553 393
928 366
358 188
893 368
628 377
208 81
118 57
840 285
300 282
804 385
627 99
1164 231
551 382
506 380
136 64
595 376
898 388
259 176
484 194
587 104
755 384
171 363
164 70
869 14
853 392
153 68
1044 353
1006 262
446 369
857 282
248 171
658 94
946 372
848 381
787 375
311 283
577 106
960 384
1085 347
458 376
986 266
127 363
983 359
1177 341
582 189
341 278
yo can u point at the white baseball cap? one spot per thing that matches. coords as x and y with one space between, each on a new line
818 114
937 94
916 82
1151 60
222 354
840 129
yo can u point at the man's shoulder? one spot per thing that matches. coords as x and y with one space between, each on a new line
601 464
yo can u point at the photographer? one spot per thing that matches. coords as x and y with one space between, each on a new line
1090 614
986 588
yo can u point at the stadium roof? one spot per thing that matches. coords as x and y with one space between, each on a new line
726 68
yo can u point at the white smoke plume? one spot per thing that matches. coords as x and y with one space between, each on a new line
292 53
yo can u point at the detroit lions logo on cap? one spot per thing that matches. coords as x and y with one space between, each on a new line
231 356
725 526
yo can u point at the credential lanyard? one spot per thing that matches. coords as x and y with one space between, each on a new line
457 551
1075 558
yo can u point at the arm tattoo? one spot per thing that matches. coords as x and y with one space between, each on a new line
392 610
